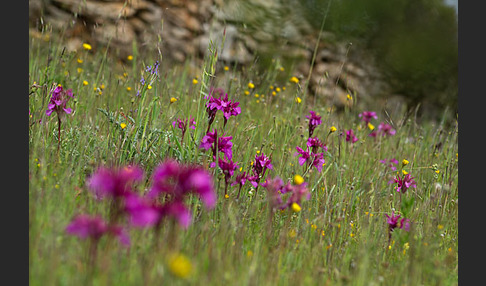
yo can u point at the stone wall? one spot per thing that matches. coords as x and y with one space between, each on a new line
184 28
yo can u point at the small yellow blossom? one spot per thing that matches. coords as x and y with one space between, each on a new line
194 81
102 86
85 83
173 99
349 97
226 68
87 46
125 74
437 171
130 57
294 79
278 89
274 93
371 126
247 92
295 207
180 265
80 61
251 85
329 246
298 100
149 87
271 87
332 129
129 88
123 125
406 246
351 234
440 226
249 253
404 172
282 69
298 179
405 162
257 95
226 196
79 70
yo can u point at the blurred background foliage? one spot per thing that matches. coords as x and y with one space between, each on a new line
414 42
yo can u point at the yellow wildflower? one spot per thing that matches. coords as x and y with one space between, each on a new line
298 100
298 179
87 46
180 265
130 57
173 99
251 85
295 207
85 83
405 162
332 129
294 79
194 81
123 125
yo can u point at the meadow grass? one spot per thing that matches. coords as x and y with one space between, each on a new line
340 236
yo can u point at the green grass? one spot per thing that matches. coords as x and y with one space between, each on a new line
339 237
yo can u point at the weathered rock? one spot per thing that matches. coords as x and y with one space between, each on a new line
183 29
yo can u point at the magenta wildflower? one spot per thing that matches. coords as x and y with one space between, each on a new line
318 161
392 222
366 116
94 227
274 190
240 179
208 140
403 184
59 100
405 224
350 137
298 193
57 103
176 210
182 124
309 157
179 180
314 121
212 107
314 143
386 129
228 167
262 163
224 145
141 211
304 155
116 182
229 108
